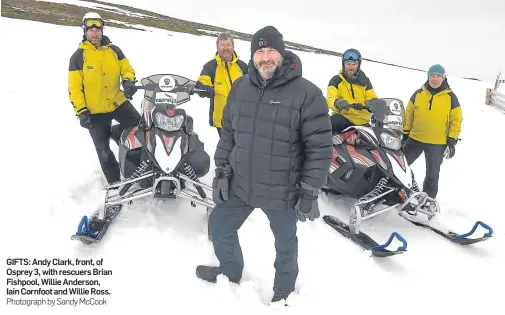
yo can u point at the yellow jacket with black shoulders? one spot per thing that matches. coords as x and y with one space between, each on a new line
94 77
217 77
432 116
354 91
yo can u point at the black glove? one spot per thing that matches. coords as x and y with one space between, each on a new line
206 91
129 88
451 148
220 183
307 207
358 106
85 119
341 104
190 88
405 136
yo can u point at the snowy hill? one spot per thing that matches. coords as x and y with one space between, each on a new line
53 178
392 31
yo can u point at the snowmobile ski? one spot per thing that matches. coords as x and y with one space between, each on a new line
93 230
461 239
365 241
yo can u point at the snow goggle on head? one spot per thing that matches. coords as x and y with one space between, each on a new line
93 23
351 56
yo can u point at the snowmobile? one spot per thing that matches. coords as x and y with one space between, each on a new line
368 165
160 158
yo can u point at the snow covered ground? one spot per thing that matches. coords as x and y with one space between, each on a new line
52 178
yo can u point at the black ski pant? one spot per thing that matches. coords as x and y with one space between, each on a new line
197 157
339 123
434 156
219 131
225 220
101 132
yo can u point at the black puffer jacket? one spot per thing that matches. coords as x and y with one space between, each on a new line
275 136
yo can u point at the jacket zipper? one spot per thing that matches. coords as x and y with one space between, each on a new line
254 137
352 91
228 71
431 100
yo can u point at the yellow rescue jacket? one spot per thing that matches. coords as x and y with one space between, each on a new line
432 117
94 77
220 76
354 92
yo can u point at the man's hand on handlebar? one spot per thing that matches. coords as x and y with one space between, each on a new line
357 106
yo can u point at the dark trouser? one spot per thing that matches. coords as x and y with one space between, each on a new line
228 217
339 123
101 132
197 157
219 131
434 156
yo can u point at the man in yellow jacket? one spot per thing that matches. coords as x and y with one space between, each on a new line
94 77
350 86
432 125
217 77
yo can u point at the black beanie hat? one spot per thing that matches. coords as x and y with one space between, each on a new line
268 36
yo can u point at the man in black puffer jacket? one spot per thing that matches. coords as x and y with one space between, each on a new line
274 153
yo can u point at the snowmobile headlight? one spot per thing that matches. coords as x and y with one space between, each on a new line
391 142
173 123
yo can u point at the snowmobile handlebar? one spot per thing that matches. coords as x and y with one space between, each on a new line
143 87
359 107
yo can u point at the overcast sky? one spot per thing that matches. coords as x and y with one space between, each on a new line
468 38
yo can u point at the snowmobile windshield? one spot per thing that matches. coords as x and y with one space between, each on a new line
167 89
387 113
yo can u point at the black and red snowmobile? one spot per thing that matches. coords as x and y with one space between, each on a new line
369 165
160 158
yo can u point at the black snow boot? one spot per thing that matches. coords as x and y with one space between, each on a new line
279 296
208 273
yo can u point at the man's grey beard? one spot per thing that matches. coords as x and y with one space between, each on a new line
267 73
